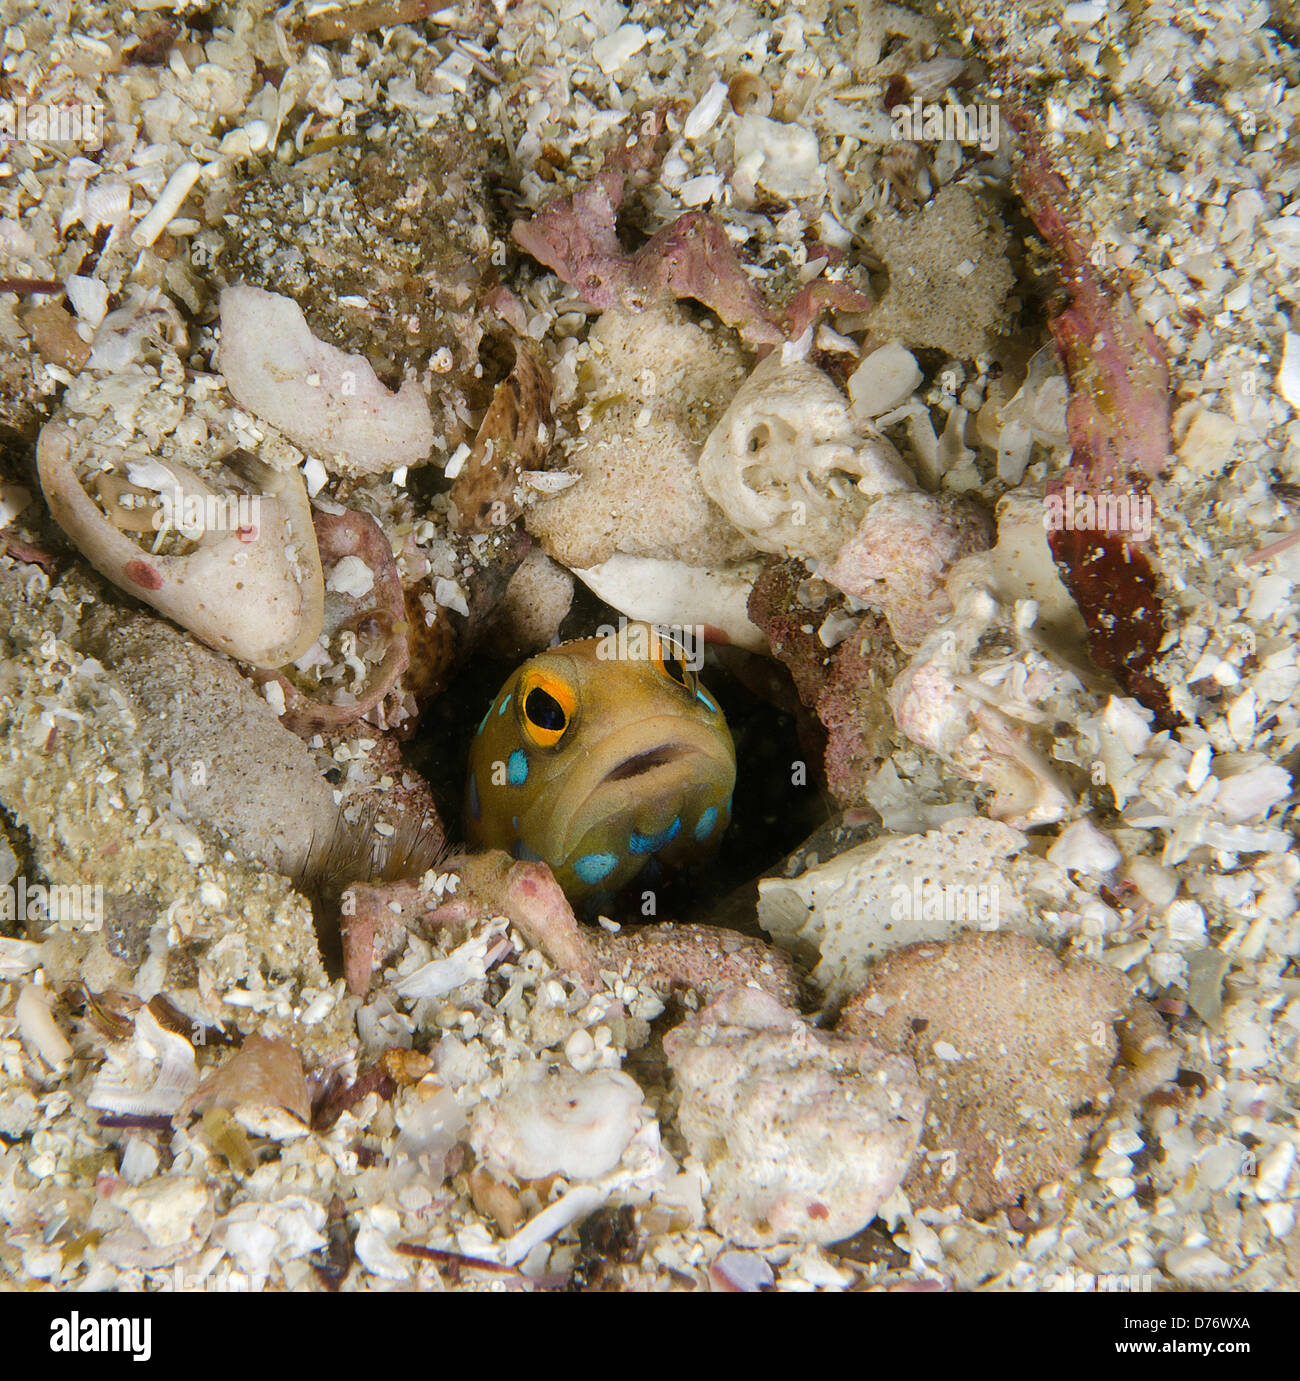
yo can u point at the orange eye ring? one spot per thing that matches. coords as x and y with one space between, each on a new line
671 661
546 708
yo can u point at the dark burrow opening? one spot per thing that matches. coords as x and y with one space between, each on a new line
777 802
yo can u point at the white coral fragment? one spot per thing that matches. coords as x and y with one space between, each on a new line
259 1236
351 576
167 1209
803 1134
575 1125
900 554
328 402
790 467
150 1075
788 162
1083 848
845 913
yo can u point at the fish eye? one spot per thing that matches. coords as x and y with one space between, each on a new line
547 705
544 711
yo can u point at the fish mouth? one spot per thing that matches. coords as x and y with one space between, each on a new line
640 763
660 754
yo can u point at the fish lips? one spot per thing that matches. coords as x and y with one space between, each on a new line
662 759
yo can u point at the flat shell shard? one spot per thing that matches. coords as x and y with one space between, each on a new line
672 592
1114 585
513 437
256 594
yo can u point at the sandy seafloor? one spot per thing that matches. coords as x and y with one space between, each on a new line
1174 126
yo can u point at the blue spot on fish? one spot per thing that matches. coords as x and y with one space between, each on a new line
484 720
704 825
517 768
651 843
593 868
709 702
501 709
475 805
523 853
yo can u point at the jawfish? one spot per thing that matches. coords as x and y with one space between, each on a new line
603 758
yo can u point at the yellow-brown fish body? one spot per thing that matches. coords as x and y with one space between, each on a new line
600 757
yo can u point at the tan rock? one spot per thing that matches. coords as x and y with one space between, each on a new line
1015 1051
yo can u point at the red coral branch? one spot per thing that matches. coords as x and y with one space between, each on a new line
1119 425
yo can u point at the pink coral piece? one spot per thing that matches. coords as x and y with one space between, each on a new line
900 554
576 237
1118 420
1118 414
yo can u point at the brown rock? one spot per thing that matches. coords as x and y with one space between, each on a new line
263 1081
54 334
854 707
704 958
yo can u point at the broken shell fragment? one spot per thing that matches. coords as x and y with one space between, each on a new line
885 379
749 94
902 551
325 400
981 732
243 573
789 466
576 1125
